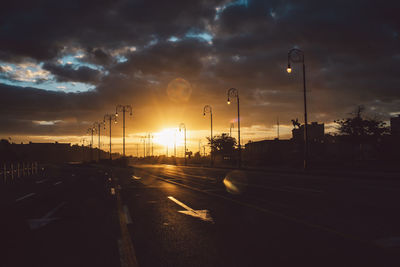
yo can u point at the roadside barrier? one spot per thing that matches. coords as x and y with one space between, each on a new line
12 172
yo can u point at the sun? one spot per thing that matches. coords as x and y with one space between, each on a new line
167 137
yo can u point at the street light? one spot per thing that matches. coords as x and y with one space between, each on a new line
233 92
83 140
297 56
90 131
208 109
110 118
182 125
143 138
98 125
123 108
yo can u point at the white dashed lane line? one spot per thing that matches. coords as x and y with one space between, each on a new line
127 214
24 197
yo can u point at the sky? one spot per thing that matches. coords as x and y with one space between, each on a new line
65 64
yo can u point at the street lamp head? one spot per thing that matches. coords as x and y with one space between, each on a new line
289 69
228 101
116 114
204 114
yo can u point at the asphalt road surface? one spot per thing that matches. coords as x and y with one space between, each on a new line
190 216
64 216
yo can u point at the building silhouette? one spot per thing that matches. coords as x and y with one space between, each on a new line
316 132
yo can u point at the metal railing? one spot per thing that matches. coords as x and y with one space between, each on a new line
10 172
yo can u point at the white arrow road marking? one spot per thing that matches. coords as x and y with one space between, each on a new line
38 223
201 214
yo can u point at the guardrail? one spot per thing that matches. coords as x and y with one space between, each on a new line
13 171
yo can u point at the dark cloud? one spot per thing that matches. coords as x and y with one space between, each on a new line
67 73
352 52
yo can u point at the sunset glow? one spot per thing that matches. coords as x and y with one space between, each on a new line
167 137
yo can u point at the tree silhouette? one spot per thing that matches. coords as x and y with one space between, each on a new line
223 144
361 129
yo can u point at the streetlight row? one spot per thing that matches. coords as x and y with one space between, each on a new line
294 55
108 118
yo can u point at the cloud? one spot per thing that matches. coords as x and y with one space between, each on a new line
124 48
67 73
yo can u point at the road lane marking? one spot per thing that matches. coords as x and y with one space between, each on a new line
57 183
201 214
277 214
136 177
126 246
26 196
41 181
192 179
38 223
127 214
175 173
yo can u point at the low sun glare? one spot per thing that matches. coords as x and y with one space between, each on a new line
168 137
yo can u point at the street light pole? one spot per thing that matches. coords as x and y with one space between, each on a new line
297 56
233 92
230 129
90 131
208 109
182 125
152 145
123 108
98 125
144 146
83 140
175 145
109 117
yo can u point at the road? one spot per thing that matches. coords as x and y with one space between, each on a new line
64 216
191 216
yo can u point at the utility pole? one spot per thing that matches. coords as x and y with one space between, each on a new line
208 109
109 117
297 56
233 92
175 144
91 130
98 126
277 122
144 146
182 125
152 145
123 108
200 147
